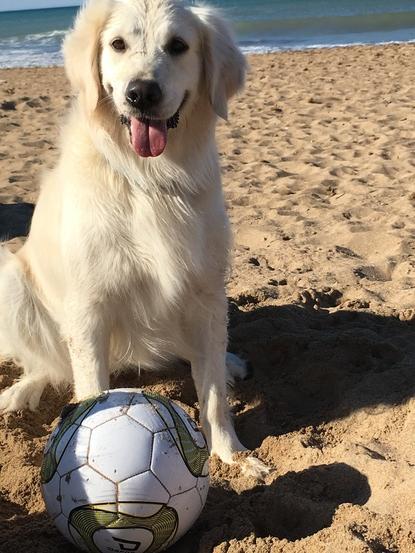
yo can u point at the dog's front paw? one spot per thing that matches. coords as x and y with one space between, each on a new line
253 467
17 398
11 400
23 394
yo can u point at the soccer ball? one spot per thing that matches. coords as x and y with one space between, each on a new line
126 471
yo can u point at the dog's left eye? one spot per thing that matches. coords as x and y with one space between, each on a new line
119 44
177 46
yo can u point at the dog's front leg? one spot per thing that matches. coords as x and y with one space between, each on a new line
87 334
209 330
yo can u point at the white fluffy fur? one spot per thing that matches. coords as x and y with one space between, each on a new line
126 258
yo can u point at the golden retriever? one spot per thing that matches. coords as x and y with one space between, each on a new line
128 250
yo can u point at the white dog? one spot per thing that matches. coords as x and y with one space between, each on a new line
128 250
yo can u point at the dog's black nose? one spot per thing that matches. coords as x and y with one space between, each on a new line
143 95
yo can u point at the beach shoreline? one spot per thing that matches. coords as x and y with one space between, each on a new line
319 179
259 51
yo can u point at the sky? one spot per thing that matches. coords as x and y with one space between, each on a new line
6 5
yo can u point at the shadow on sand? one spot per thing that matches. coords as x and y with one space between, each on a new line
15 220
314 366
294 506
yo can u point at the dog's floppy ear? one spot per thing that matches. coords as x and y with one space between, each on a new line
81 52
224 65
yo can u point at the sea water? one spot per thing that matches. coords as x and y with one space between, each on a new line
34 38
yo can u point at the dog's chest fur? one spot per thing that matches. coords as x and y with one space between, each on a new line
147 251
166 248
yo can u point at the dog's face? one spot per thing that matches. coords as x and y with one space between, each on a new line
153 60
150 66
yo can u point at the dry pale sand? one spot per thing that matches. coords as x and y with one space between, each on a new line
319 172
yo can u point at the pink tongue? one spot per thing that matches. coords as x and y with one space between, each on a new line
149 137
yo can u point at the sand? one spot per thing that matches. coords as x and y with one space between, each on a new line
319 179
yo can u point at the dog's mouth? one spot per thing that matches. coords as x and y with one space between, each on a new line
148 136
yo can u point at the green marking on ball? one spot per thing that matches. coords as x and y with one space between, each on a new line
194 456
90 518
50 460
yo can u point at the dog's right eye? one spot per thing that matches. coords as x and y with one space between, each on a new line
119 45
177 46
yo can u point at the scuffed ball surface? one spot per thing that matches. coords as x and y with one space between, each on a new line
126 471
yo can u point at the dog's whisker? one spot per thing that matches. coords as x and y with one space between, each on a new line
104 100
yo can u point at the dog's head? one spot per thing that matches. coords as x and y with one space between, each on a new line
152 63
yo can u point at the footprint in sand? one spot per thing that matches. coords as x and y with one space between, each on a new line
37 144
320 299
8 106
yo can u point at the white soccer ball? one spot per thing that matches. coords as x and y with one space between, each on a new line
126 471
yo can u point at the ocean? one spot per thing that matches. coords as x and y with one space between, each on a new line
34 37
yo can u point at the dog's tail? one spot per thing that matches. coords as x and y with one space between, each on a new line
25 323
5 257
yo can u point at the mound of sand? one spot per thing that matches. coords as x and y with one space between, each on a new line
319 178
